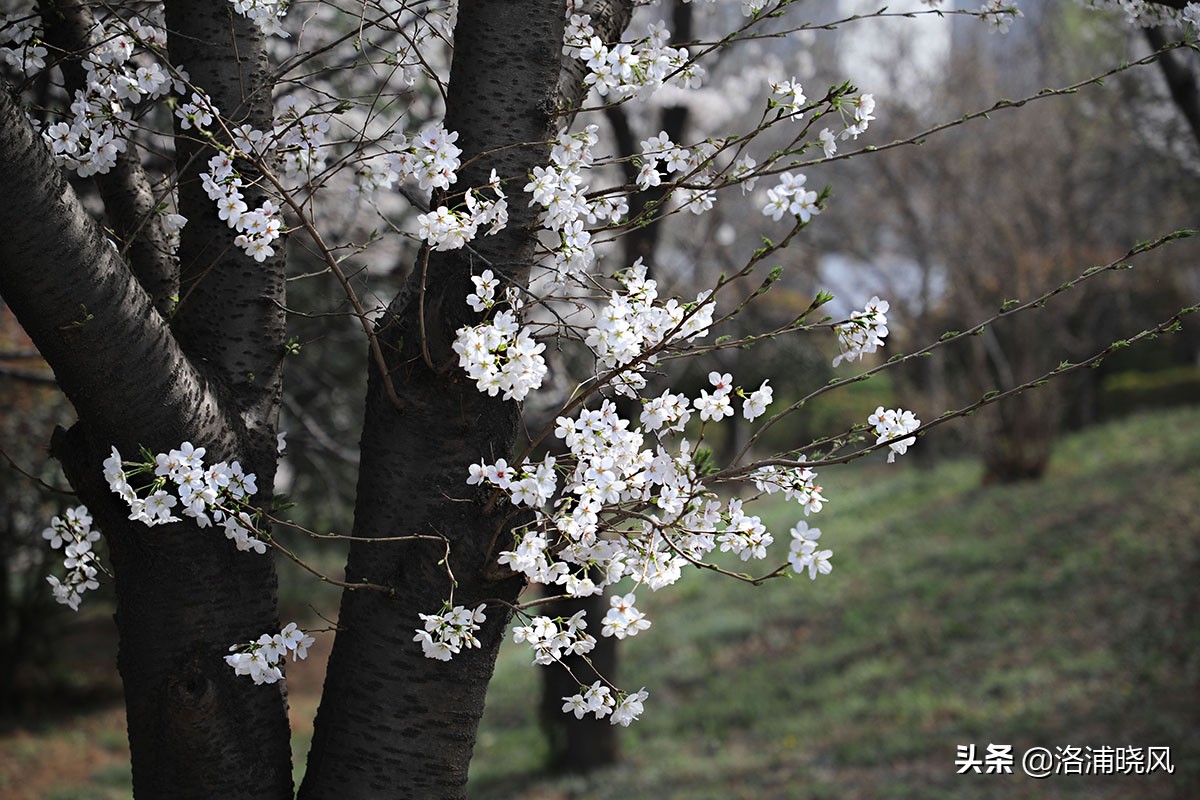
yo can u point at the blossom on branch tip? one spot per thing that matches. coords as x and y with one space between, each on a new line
804 554
755 404
893 426
599 701
446 634
863 333
266 14
789 96
260 659
73 534
790 197
623 619
208 494
999 14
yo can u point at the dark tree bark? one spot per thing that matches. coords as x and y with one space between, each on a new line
1178 68
391 722
184 594
129 201
230 311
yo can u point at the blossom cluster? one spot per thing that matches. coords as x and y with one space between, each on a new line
257 229
553 639
862 109
745 535
718 405
797 483
624 70
863 333
532 485
121 69
892 425
633 323
261 659
212 494
559 188
298 135
623 619
804 554
431 158
657 149
790 197
689 163
613 473
266 14
499 354
788 95
447 229
999 14
73 534
684 161
484 296
20 43
599 700
446 634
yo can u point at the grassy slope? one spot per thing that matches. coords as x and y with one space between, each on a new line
1061 613
1052 614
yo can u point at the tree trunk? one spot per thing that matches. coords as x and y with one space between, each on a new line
583 745
1019 437
393 723
184 594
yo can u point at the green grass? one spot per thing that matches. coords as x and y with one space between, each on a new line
1057 613
109 783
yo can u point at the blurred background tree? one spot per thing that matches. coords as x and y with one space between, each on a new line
32 625
980 215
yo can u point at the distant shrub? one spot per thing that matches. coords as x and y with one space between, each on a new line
1127 392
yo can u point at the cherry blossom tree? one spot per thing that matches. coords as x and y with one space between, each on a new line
156 160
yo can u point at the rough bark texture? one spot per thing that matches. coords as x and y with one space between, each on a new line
393 723
184 594
129 201
82 307
229 313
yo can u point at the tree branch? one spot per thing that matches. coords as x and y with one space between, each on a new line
503 99
229 315
81 306
129 200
